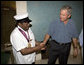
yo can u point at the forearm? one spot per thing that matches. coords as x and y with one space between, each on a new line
30 50
75 42
37 43
75 46
46 38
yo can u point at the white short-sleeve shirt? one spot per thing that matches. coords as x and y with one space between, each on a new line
19 42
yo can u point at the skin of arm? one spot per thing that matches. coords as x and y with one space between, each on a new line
37 43
75 43
46 38
30 50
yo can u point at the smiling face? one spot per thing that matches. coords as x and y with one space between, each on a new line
65 13
64 16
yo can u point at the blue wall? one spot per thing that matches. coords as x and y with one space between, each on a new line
44 12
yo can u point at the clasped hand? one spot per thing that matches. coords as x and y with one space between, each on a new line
43 46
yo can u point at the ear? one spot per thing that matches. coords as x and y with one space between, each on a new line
20 24
69 16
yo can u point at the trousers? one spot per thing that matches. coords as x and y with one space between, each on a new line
60 51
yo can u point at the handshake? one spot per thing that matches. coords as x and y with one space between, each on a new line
42 46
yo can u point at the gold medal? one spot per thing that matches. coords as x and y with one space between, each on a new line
29 45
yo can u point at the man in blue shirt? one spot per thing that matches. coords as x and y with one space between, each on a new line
62 32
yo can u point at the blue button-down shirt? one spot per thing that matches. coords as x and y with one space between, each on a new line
63 33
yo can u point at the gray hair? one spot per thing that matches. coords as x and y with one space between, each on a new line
68 8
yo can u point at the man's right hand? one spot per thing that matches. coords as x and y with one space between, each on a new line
42 45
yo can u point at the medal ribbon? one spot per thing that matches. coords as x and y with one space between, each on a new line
24 34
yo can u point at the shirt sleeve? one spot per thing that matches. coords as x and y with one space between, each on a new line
74 31
17 42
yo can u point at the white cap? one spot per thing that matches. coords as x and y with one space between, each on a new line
21 16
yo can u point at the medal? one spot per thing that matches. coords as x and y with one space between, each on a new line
29 44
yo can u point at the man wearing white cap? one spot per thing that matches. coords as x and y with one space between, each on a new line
23 42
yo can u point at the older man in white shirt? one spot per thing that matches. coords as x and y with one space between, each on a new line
23 41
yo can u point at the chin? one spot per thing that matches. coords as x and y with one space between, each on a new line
27 29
